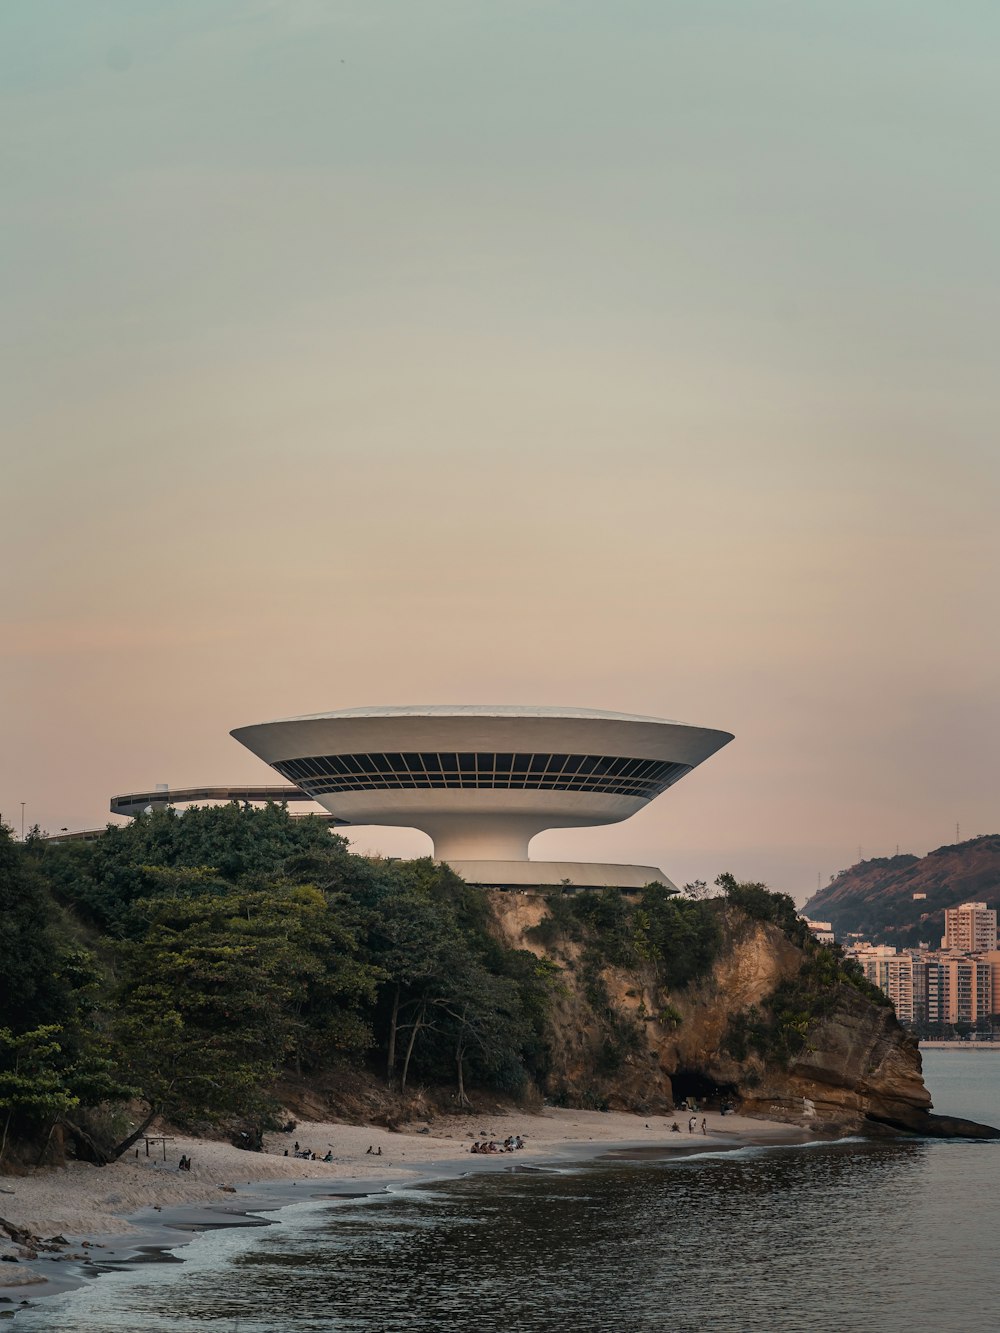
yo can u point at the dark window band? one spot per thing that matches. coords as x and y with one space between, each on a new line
324 774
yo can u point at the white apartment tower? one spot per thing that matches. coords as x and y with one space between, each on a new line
970 928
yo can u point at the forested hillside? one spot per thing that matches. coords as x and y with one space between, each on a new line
209 967
183 964
877 897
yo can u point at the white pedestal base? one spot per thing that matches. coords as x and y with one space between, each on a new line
549 874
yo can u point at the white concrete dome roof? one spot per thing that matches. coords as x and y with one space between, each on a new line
471 727
477 710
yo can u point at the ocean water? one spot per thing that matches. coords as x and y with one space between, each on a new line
887 1235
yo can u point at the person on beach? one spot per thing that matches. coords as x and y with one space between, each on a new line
370 1151
675 1128
704 1126
691 1124
329 1156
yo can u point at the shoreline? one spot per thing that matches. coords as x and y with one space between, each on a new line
931 1045
133 1212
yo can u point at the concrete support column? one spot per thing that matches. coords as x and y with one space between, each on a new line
481 838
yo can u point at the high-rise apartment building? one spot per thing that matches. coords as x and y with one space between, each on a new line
992 958
931 987
970 927
959 990
892 973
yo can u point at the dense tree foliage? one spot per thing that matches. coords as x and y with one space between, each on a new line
230 945
187 962
222 989
53 1053
102 880
679 936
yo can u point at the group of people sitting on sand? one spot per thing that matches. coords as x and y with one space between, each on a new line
510 1144
308 1155
184 1164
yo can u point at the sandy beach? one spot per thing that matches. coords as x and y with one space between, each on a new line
141 1205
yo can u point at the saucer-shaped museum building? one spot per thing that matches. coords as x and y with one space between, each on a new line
483 781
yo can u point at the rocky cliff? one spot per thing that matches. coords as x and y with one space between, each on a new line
620 1037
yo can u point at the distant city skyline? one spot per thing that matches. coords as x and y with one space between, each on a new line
631 357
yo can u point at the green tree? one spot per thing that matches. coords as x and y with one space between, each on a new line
52 1053
34 987
407 936
103 879
757 901
469 1021
223 988
33 1087
680 936
483 1021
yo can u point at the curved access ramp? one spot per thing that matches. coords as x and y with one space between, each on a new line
137 802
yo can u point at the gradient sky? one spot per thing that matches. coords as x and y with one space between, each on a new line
637 356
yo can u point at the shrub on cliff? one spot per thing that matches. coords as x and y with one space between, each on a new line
678 936
757 901
779 1028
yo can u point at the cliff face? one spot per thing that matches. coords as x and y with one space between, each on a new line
858 1069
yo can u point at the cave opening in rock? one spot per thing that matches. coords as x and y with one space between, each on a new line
688 1083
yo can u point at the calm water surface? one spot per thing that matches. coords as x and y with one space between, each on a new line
854 1235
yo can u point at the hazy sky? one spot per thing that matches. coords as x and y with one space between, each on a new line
637 356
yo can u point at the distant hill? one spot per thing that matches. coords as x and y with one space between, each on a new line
876 896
